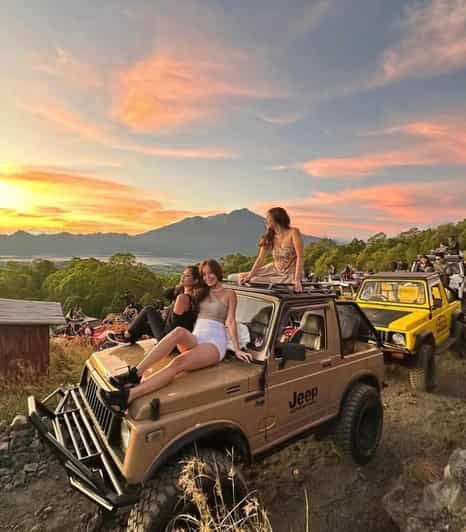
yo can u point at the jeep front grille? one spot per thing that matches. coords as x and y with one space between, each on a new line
383 336
104 416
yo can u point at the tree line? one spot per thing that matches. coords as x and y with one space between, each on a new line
101 287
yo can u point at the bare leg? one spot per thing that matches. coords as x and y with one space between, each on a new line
165 347
200 356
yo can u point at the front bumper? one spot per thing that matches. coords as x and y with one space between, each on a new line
69 432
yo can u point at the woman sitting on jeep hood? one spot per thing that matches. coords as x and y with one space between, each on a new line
286 244
205 346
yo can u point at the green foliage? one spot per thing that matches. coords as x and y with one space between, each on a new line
98 287
236 263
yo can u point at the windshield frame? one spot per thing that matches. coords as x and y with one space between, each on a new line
393 303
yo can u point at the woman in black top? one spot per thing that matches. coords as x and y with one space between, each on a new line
180 314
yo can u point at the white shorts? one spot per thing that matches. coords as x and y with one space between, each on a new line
211 332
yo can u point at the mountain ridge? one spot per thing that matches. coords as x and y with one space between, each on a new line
193 237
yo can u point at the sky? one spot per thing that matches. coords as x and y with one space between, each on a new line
125 116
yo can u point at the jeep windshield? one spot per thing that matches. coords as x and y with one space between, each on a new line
254 314
391 291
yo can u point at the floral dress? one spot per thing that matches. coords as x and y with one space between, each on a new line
281 270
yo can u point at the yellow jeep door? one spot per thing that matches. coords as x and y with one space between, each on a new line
441 313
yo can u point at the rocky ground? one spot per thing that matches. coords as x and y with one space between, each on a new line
420 433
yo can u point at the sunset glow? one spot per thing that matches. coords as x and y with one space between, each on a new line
177 110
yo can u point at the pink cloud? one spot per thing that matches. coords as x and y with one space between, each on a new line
73 123
433 41
436 143
366 210
168 89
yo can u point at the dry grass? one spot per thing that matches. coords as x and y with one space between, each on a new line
213 510
66 363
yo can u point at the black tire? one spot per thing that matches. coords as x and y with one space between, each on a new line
162 500
360 424
422 377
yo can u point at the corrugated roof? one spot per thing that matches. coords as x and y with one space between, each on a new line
23 312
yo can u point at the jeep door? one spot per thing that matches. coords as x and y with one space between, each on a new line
441 311
298 391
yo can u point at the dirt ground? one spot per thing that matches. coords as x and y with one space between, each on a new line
420 432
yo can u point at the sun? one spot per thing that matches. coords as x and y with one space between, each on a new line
12 196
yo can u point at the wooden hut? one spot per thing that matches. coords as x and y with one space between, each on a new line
25 333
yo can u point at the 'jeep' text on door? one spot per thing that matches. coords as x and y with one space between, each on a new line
302 399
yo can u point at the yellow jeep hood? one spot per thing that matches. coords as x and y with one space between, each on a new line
396 318
189 390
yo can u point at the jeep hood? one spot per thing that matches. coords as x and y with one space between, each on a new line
400 320
189 390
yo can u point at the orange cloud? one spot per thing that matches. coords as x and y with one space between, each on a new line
72 123
433 41
168 89
366 210
40 200
438 143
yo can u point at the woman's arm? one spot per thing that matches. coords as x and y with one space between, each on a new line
299 248
260 259
182 304
233 328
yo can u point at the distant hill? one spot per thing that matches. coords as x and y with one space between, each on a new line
195 237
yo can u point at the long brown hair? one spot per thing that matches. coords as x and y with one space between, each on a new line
196 289
281 218
216 269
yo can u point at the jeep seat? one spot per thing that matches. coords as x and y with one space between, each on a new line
311 331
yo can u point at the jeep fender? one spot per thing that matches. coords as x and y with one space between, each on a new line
365 378
421 338
217 435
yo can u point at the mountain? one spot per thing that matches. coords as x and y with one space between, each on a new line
194 237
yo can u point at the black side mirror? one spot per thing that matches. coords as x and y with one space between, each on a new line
437 302
291 351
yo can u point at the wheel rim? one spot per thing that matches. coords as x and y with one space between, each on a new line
368 429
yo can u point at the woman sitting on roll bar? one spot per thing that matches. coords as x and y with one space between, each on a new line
286 244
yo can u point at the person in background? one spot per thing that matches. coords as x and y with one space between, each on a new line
425 265
180 314
205 346
453 246
287 248
442 268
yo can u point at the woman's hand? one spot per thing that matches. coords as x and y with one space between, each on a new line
243 355
298 287
245 279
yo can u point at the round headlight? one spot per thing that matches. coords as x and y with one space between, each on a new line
398 338
125 432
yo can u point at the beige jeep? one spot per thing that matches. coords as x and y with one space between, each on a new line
316 361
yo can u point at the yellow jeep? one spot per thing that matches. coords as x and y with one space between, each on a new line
415 317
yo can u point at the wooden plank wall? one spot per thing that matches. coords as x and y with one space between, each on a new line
26 345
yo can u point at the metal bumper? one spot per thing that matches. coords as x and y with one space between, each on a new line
69 433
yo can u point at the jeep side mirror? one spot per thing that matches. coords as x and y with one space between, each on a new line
437 302
292 351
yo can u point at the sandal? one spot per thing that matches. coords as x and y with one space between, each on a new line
123 379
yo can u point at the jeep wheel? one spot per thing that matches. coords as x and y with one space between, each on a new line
360 424
422 377
164 506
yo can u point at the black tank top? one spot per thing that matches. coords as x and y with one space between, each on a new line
185 320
